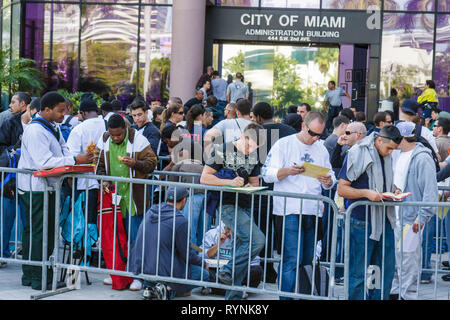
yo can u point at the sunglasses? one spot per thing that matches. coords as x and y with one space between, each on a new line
182 113
388 121
396 140
313 134
347 133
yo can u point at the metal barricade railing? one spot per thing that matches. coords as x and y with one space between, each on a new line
254 239
21 215
401 253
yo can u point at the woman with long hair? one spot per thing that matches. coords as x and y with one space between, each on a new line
194 123
157 116
173 114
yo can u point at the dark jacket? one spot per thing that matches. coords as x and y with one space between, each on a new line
167 232
151 133
11 131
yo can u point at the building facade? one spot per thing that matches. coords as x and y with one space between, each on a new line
159 48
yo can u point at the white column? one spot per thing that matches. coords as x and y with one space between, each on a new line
188 35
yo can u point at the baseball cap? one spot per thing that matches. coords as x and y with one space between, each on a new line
410 106
179 192
406 128
444 114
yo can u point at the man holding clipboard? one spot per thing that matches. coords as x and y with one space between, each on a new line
299 163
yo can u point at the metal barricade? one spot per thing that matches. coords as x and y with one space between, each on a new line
243 251
18 212
372 268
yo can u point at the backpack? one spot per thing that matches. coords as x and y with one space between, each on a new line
422 140
9 158
66 128
321 280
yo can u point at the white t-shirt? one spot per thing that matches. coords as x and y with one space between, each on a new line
80 137
286 152
73 122
232 129
401 167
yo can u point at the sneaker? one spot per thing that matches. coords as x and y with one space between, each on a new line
425 281
3 264
108 281
244 295
225 278
146 295
159 292
446 277
445 264
206 291
339 281
136 285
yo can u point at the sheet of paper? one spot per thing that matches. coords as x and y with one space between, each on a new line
248 189
314 171
410 239
214 262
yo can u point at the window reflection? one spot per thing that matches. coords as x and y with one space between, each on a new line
442 60
407 54
350 4
238 3
155 47
410 5
291 3
109 50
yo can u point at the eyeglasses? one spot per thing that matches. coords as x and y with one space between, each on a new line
347 133
312 133
388 121
396 140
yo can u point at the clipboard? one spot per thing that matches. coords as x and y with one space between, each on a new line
314 171
248 189
59 171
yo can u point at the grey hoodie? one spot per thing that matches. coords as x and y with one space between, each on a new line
421 182
364 157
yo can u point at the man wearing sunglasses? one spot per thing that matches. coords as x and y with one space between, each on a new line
354 133
283 168
367 172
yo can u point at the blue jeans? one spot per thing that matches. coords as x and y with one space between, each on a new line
9 217
447 232
196 206
288 275
374 257
241 232
135 224
196 274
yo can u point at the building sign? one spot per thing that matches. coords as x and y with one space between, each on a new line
295 25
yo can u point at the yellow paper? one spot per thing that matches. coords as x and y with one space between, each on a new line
248 189
314 171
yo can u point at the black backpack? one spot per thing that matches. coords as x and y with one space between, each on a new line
321 280
422 140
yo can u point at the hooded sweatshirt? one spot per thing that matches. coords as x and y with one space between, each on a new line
162 217
421 182
364 157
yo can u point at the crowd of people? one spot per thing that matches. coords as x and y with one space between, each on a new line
226 141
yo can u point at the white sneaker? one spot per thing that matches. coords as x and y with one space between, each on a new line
136 285
107 281
244 295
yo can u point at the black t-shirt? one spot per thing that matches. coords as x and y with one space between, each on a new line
228 157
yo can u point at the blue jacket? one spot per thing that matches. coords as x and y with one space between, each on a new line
165 219
152 134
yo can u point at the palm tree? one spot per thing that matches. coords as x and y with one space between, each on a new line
325 56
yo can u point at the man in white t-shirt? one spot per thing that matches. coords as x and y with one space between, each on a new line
283 168
229 130
414 171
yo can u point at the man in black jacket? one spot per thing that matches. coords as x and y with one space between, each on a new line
11 131
139 111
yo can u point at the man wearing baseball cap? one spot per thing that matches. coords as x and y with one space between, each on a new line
414 171
408 112
162 236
